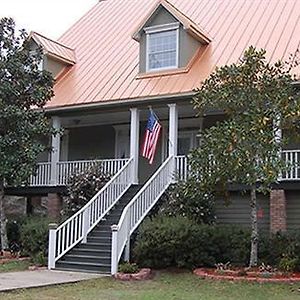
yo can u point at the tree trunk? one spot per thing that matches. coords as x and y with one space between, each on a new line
254 230
3 221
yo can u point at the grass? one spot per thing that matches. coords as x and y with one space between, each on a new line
164 286
13 266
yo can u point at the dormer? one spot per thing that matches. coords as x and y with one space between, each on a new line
168 40
57 57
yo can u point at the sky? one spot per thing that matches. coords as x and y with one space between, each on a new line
49 17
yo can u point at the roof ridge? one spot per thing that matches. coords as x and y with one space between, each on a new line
52 40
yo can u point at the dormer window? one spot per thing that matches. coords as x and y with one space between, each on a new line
162 47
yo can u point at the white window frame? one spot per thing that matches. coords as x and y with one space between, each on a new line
162 28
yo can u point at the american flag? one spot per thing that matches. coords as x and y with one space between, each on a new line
151 137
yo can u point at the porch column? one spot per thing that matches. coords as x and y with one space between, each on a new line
173 129
55 144
134 142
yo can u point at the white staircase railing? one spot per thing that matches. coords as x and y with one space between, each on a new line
138 208
181 166
76 228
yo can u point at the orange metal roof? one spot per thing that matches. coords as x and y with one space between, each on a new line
54 48
107 56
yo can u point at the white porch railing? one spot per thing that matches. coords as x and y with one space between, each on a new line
67 168
76 228
42 176
292 158
64 169
138 208
181 167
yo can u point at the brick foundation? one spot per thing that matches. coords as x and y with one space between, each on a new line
54 205
277 211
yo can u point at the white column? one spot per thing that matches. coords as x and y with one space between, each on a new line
173 129
55 144
134 142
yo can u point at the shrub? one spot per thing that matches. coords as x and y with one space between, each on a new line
128 268
186 199
13 229
34 237
179 242
82 187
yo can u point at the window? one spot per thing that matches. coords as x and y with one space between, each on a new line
162 47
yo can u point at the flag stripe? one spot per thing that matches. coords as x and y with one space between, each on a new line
151 137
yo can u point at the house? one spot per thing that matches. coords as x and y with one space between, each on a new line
118 60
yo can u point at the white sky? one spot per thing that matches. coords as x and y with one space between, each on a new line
49 17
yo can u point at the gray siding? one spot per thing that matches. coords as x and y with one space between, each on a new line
293 209
53 66
238 210
91 142
187 44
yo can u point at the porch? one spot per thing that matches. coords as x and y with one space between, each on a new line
111 138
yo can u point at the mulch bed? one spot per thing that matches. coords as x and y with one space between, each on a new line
251 276
6 257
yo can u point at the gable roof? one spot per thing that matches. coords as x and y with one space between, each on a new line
107 57
54 49
191 27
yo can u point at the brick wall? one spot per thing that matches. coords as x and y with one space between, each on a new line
277 211
54 205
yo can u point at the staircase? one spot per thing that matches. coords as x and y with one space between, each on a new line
95 255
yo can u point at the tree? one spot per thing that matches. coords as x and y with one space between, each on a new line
24 90
259 101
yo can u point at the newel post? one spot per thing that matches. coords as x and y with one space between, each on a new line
55 144
134 142
52 246
173 134
114 249
85 225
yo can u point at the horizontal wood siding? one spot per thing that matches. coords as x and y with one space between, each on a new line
293 209
237 212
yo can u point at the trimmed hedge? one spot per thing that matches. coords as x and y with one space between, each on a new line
179 242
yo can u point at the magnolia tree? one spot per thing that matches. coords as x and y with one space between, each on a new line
259 101
24 90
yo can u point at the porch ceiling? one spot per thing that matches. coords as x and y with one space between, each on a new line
122 116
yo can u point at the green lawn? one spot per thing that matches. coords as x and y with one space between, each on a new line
163 287
14 266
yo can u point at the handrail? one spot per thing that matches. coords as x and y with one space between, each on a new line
138 208
76 228
292 158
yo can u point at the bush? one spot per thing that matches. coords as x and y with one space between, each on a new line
128 268
34 237
180 242
13 229
82 187
186 199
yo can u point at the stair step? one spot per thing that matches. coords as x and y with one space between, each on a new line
104 252
69 269
87 258
84 266
92 245
97 239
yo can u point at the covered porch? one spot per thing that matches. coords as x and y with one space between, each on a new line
112 137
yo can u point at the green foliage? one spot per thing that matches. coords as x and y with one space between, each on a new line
281 248
287 264
82 187
188 200
129 268
22 87
179 242
34 237
258 100
14 230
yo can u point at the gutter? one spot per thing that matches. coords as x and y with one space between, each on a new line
140 102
